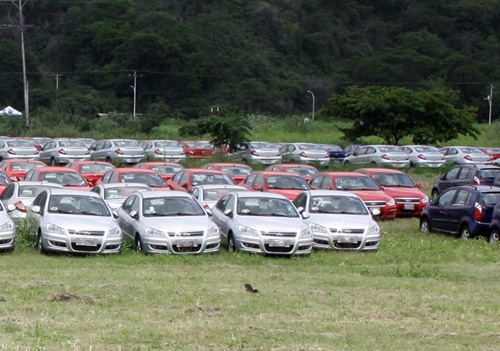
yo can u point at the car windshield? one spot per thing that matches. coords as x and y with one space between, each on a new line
489 199
33 190
211 178
237 171
394 179
63 178
356 183
150 179
120 193
287 182
95 168
72 143
167 144
25 166
4 179
337 204
171 206
166 169
78 204
493 150
304 172
261 206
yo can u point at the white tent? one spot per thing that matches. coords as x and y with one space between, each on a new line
9 111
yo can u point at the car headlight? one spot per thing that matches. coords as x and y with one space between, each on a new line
55 228
213 231
391 202
373 230
115 232
7 226
155 232
425 199
244 230
316 228
306 233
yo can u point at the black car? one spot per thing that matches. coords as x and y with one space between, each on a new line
464 211
466 174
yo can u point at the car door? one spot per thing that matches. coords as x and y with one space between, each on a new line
45 152
125 221
450 179
440 210
222 218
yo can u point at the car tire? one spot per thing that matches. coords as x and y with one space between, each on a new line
108 159
138 245
53 162
231 247
494 236
39 244
465 232
425 226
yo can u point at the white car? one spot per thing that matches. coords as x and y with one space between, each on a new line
424 156
208 194
464 154
168 222
115 193
339 220
74 221
381 155
7 231
263 223
305 153
164 150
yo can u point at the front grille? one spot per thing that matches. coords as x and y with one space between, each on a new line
281 234
187 249
187 234
346 245
347 231
405 200
375 203
86 232
85 248
272 249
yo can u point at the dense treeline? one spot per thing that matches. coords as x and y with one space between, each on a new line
251 56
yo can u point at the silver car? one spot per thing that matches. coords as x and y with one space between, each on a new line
18 149
164 150
464 154
208 194
115 193
424 156
7 231
61 151
119 151
262 223
339 220
305 153
168 222
257 152
19 196
74 221
381 155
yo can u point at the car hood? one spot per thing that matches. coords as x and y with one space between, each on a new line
339 221
272 224
371 195
78 222
178 223
404 192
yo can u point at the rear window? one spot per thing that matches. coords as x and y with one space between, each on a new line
489 199
489 173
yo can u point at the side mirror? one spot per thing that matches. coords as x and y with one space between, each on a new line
184 185
257 187
328 188
228 213
375 212
208 211
134 214
115 215
36 209
11 207
305 214
300 209
419 185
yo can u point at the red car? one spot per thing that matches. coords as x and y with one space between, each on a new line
284 183
16 169
134 175
198 150
165 169
237 171
67 177
4 181
410 200
185 179
305 171
92 171
493 152
360 184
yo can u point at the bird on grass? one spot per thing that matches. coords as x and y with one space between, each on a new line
250 288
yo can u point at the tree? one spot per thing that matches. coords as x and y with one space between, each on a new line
392 113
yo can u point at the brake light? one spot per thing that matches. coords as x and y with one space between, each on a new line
467 157
422 157
118 151
20 206
158 152
61 151
12 152
477 181
191 152
88 152
303 154
478 212
255 153
385 157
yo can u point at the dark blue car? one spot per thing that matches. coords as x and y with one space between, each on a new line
494 233
335 152
464 211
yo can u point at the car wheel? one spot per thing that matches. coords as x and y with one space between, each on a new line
465 232
494 236
53 162
39 243
108 159
138 245
231 247
424 226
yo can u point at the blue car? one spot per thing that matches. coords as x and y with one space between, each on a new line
464 211
494 232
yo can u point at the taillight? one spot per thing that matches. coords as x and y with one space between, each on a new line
12 152
467 157
14 178
61 151
255 153
303 154
191 152
118 151
477 181
422 157
158 152
385 157
88 152
478 212
20 206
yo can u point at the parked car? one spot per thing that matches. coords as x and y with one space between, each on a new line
134 175
304 153
363 186
18 149
261 223
165 169
424 156
92 171
67 177
410 200
61 151
16 169
493 152
115 193
208 194
4 181
117 151
257 152
198 150
7 231
168 222
494 229
381 155
185 179
464 211
464 154
237 171
18 197
335 152
304 170
465 174
164 150
284 183
339 220
74 221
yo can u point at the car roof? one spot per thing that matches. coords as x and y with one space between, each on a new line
331 193
122 185
220 186
250 194
67 191
380 170
480 188
342 174
55 169
170 193
26 182
133 170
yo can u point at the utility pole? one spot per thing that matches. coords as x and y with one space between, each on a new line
490 102
57 88
314 103
134 87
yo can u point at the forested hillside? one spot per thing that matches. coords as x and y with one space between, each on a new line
252 56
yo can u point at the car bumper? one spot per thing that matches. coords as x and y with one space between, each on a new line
179 246
264 160
70 158
7 239
129 159
168 158
346 242
409 209
321 161
81 243
274 245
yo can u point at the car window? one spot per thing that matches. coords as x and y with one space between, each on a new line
466 173
452 173
462 198
78 204
447 197
489 173
221 205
